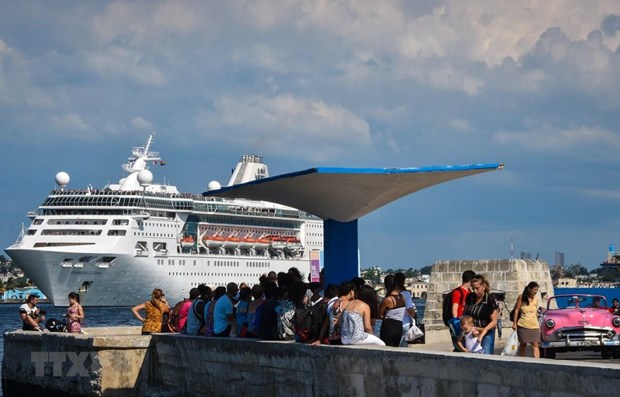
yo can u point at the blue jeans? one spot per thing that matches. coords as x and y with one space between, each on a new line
488 342
454 325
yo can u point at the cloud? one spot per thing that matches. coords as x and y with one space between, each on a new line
119 62
586 64
286 125
602 194
71 125
611 25
552 139
139 123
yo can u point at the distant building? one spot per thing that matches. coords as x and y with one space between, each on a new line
418 289
4 277
22 293
567 283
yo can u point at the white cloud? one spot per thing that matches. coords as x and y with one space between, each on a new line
602 194
119 62
71 125
286 125
586 64
140 124
551 139
460 125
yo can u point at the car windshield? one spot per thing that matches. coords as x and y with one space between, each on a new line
581 301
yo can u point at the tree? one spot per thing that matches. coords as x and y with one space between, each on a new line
372 275
575 270
426 270
21 282
10 284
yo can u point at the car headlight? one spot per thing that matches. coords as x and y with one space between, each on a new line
550 323
616 321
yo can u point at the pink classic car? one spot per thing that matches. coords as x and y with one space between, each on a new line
579 322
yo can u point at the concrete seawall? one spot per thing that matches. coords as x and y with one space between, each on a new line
179 365
111 361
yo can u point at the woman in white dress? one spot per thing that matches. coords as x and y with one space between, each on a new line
356 328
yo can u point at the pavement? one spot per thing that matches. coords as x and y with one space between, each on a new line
448 347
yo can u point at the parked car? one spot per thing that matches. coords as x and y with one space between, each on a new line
579 322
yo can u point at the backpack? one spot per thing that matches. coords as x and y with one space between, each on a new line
54 325
334 327
446 314
173 318
285 313
309 320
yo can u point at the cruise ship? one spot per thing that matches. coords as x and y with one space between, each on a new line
116 244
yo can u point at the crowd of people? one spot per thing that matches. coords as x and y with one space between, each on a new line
283 306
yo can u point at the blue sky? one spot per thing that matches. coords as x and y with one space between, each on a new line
530 84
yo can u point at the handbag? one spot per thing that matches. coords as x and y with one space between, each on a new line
413 333
512 345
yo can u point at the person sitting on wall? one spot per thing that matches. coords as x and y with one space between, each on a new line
223 312
31 315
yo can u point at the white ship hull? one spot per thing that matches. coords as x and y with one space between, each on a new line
129 280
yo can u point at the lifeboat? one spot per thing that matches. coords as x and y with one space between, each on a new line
293 243
261 243
213 241
231 242
187 241
277 242
247 243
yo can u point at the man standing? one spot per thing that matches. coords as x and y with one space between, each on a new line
458 305
223 313
30 314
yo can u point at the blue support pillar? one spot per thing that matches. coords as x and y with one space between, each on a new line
341 251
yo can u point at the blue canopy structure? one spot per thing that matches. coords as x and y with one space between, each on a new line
340 196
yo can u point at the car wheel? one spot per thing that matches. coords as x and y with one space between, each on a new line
615 353
606 353
548 353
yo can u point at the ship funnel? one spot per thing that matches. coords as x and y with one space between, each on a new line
249 168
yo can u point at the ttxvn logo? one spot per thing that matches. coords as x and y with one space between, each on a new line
77 363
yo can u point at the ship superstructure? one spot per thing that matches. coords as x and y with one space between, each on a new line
115 245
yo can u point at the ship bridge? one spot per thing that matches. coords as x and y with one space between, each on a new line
340 196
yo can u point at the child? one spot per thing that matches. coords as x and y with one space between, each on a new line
469 336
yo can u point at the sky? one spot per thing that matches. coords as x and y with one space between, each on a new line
531 84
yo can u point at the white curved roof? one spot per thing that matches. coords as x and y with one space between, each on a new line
346 194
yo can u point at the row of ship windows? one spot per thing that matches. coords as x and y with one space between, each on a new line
115 222
157 224
215 263
72 232
152 234
256 275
